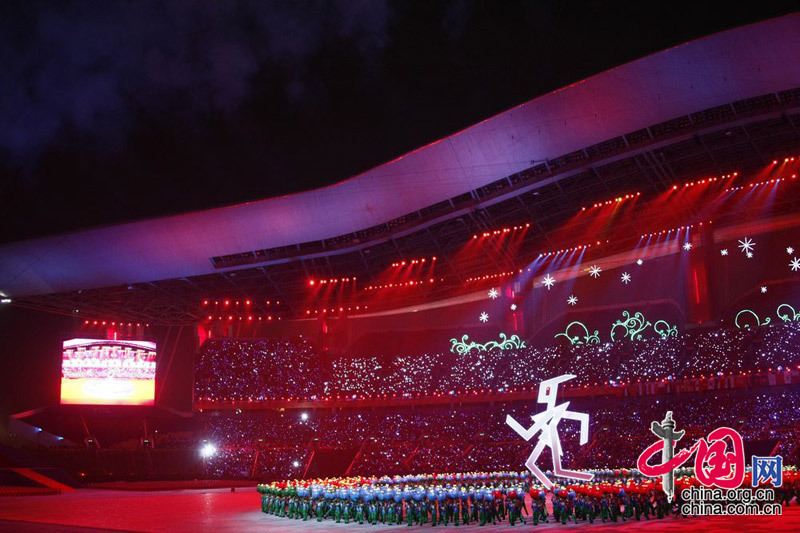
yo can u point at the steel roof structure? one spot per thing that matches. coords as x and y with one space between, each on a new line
730 101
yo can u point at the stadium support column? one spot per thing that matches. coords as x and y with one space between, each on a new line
514 315
699 306
323 333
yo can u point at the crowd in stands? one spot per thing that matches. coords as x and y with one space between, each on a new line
258 370
464 434
393 441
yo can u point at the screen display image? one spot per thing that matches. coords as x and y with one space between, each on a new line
108 372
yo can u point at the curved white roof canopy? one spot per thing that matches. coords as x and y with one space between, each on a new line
716 70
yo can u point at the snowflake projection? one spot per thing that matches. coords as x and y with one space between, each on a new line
639 262
548 281
794 264
626 278
763 290
513 307
572 300
723 252
790 250
749 255
687 246
484 317
747 245
594 271
494 293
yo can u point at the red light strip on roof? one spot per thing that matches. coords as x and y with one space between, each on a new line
617 200
502 231
419 261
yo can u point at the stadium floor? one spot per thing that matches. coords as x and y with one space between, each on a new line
220 510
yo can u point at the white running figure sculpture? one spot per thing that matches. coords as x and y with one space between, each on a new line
547 422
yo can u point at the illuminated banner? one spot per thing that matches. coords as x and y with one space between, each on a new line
107 372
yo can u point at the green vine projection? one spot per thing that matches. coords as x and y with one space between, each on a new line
746 325
747 318
576 339
790 316
634 325
465 345
667 330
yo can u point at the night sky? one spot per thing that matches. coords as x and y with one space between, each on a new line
116 111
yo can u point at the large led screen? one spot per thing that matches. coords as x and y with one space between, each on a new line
106 372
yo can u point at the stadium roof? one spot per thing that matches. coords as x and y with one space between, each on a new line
582 143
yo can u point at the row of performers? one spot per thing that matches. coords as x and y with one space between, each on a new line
493 501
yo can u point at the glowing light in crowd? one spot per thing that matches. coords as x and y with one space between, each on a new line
723 252
484 317
595 271
626 278
548 281
687 246
493 293
572 300
208 450
794 264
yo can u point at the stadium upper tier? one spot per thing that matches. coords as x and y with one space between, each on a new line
621 130
247 373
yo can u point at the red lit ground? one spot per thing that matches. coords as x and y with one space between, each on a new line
220 510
